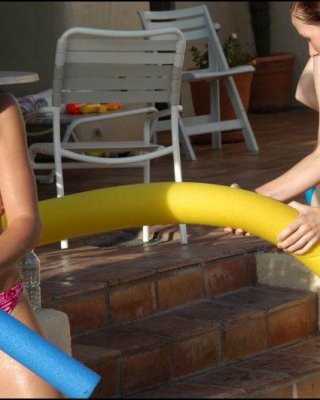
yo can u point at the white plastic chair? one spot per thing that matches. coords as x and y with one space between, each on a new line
101 66
196 24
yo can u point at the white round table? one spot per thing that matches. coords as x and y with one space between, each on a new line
14 77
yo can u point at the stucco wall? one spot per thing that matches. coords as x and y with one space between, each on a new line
29 31
28 35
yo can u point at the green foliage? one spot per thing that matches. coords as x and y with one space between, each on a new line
233 50
235 53
201 60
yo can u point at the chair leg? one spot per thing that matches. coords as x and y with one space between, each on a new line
175 117
58 162
145 234
48 179
146 179
241 114
184 138
183 234
215 111
185 141
64 244
153 132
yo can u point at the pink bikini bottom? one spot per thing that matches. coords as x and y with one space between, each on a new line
10 297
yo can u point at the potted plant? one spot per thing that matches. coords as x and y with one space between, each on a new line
236 55
271 85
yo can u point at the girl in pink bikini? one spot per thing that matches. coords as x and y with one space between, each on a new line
18 197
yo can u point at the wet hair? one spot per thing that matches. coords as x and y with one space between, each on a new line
306 11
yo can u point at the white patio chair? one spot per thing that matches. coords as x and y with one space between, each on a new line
196 24
101 66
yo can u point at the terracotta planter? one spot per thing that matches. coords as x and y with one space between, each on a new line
271 85
201 101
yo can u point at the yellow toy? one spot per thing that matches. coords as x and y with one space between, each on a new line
90 108
99 108
127 206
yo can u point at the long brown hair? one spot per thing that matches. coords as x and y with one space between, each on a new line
307 11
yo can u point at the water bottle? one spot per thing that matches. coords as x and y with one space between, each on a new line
30 270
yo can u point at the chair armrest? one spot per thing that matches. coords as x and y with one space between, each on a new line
162 113
207 74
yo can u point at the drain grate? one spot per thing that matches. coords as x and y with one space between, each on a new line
139 242
122 239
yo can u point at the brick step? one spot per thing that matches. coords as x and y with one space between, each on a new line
194 338
290 371
97 287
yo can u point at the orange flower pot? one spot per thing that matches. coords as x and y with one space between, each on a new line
271 84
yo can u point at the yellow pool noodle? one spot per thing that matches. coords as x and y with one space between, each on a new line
128 206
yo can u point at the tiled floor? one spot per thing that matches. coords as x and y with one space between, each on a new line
284 138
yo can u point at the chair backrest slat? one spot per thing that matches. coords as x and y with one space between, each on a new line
136 57
196 34
182 24
182 13
103 70
116 83
104 45
143 96
196 23
98 66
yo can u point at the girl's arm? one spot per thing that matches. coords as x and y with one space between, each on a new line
305 91
304 232
296 180
305 173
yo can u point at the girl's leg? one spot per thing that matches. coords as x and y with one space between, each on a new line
17 381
